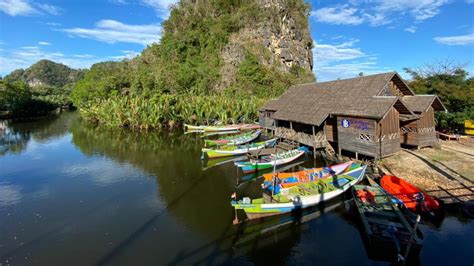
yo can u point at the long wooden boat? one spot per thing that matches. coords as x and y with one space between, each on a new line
413 198
295 178
300 196
270 161
384 225
232 150
212 128
203 128
235 139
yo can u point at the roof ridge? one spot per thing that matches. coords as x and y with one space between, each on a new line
361 77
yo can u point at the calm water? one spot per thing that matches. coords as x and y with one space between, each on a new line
72 194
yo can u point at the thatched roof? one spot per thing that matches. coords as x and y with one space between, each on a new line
421 103
313 103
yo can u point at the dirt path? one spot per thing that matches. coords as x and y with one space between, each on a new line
441 172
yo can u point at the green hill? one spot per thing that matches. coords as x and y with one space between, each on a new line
217 59
46 73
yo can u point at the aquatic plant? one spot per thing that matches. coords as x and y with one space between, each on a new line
170 110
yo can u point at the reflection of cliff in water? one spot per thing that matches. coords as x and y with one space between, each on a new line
17 134
199 199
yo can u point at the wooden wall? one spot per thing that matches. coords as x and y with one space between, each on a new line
388 131
357 135
426 129
408 135
265 119
420 132
330 129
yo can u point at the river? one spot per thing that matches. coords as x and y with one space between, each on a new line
75 194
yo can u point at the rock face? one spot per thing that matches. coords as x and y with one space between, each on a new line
280 42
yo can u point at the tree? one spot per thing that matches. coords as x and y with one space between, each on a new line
451 82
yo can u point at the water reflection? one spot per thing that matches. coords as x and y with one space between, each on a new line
125 198
173 158
18 134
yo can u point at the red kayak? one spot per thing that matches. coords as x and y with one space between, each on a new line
409 194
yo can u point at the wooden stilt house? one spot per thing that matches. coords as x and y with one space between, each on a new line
370 115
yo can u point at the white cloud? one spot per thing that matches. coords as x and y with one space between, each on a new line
83 56
111 31
54 24
161 7
44 43
467 39
419 9
17 8
50 9
411 29
27 8
342 60
378 12
339 15
126 54
118 2
26 56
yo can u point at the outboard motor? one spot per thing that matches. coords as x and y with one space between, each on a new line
420 202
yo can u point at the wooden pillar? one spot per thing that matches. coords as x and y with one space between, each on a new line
314 143
291 125
357 156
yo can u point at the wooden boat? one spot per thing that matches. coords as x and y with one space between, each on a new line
270 161
203 128
232 150
384 225
212 128
413 198
292 179
235 139
300 196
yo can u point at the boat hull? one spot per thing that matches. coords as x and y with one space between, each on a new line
210 153
293 179
250 167
254 211
405 192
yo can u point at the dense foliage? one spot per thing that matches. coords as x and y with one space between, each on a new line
18 100
176 80
454 88
46 73
37 90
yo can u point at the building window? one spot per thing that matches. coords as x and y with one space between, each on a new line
365 137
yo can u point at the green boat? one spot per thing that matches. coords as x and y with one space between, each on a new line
272 160
232 150
234 139
385 227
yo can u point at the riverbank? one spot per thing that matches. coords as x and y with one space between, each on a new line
440 172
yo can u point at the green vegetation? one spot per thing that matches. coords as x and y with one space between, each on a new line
178 79
37 90
455 89
17 100
46 73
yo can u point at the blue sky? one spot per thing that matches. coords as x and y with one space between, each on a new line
367 36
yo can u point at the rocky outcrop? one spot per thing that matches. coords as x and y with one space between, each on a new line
281 42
